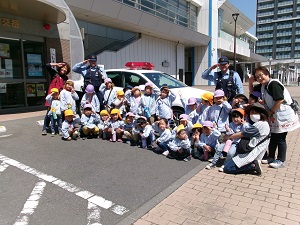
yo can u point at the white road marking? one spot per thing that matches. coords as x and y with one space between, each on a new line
93 214
31 203
3 166
95 199
5 135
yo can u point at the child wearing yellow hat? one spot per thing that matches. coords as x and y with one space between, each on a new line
54 113
180 147
69 131
203 107
68 97
89 121
119 102
115 126
103 124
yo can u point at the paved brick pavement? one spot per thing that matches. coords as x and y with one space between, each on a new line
211 197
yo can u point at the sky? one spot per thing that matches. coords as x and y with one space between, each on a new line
247 7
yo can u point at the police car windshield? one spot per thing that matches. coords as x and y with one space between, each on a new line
164 79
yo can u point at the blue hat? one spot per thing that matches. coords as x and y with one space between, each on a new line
223 60
93 57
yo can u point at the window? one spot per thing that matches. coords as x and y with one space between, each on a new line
163 79
116 77
133 79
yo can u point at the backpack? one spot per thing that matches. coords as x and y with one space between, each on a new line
227 85
288 99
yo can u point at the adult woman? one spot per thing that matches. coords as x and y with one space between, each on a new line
259 141
58 79
282 117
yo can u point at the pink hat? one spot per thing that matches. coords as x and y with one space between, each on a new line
207 124
88 106
183 117
107 80
192 101
148 84
219 93
130 114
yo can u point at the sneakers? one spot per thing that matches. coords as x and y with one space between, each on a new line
277 164
150 147
44 132
52 134
189 158
257 168
165 153
267 161
119 140
221 169
210 166
210 160
60 134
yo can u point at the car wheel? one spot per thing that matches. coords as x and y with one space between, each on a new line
177 111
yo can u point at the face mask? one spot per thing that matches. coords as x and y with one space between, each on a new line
255 117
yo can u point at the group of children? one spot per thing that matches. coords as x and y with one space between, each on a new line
143 119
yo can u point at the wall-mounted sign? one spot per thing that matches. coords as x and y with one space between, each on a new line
4 50
9 22
30 90
34 63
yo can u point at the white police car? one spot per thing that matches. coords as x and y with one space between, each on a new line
139 73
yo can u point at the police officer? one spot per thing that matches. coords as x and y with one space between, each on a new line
92 74
227 80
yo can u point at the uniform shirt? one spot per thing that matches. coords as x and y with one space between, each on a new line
67 98
82 69
55 104
203 113
134 103
177 144
109 95
90 122
65 128
208 75
210 140
150 101
91 99
115 124
129 126
102 124
219 114
164 135
235 128
146 131
164 106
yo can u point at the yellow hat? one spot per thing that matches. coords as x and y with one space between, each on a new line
179 128
69 112
55 90
208 96
197 125
120 93
115 111
104 113
70 82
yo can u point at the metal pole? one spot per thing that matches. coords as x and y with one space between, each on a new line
234 16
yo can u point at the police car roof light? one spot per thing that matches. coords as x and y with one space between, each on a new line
139 65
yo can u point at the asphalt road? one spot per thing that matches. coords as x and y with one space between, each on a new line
119 182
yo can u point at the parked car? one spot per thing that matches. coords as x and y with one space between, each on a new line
139 73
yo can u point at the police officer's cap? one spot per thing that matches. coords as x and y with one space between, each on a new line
223 60
93 57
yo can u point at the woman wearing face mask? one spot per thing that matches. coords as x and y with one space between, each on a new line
259 141
282 117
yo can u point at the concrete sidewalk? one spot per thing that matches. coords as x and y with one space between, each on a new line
211 197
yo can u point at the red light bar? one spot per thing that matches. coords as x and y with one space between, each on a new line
139 65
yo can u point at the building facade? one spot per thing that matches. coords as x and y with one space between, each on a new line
278 33
180 37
